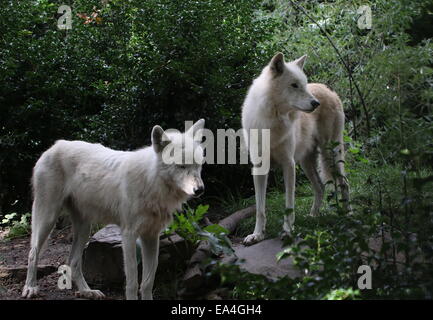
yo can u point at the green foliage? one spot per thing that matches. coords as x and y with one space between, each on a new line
342 294
111 80
355 150
390 230
187 226
17 226
8 218
218 240
394 78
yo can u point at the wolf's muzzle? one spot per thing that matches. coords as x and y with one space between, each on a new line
198 191
315 104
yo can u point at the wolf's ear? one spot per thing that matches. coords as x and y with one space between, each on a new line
159 139
277 63
301 61
196 128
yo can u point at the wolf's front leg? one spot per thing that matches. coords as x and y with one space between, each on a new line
289 172
260 182
149 256
81 236
130 264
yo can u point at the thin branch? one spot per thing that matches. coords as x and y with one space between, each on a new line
361 97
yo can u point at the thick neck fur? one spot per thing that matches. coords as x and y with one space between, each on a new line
164 198
268 110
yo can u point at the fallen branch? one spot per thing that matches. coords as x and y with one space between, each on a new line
232 221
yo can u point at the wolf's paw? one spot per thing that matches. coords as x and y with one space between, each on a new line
90 294
30 292
253 238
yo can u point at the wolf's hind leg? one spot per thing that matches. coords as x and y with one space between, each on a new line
332 163
44 216
341 178
309 165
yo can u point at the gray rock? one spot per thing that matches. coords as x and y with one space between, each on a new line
103 258
260 258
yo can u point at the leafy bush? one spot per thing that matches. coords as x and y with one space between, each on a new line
112 79
390 230
16 226
187 226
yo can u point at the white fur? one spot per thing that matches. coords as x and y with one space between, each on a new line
281 100
135 190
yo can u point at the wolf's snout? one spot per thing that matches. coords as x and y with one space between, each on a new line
198 191
315 104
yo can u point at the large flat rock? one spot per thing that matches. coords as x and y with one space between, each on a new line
260 258
103 259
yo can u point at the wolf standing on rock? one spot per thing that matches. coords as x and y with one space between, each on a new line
303 120
136 190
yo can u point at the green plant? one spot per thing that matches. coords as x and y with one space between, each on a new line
186 224
391 230
342 294
18 226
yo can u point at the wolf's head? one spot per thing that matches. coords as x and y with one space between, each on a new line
181 157
289 85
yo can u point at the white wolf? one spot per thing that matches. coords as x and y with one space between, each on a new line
300 131
136 190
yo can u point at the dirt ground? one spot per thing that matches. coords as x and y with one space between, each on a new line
13 263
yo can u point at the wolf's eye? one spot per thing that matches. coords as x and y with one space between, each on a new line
294 85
